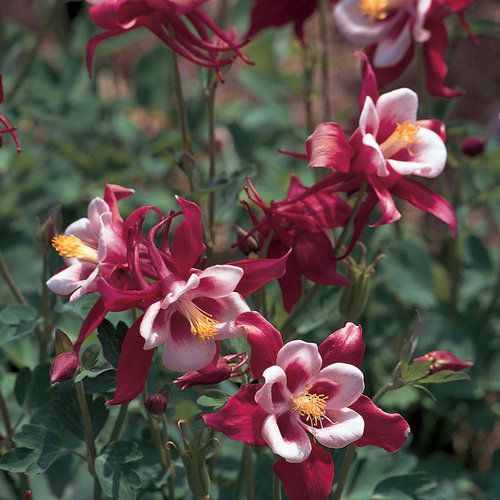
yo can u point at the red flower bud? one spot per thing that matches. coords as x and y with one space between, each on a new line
28 495
443 360
226 367
156 404
64 367
473 145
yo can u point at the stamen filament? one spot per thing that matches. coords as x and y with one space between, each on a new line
311 406
403 137
378 10
203 325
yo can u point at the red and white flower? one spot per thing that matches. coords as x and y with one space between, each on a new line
306 390
91 246
389 29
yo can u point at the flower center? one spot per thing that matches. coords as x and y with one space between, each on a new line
310 406
68 245
403 137
203 325
378 10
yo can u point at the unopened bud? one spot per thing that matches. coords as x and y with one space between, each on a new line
473 145
156 404
64 367
355 296
443 360
49 226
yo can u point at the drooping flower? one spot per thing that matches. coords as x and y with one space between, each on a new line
306 390
8 128
201 41
92 246
391 28
188 310
299 224
389 145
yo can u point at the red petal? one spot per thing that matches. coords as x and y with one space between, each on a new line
311 479
187 243
328 147
133 366
92 321
387 75
345 345
241 418
428 201
113 193
258 272
385 430
265 341
369 87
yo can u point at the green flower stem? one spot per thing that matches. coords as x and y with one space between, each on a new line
4 411
168 457
248 457
9 280
120 420
89 436
307 87
212 170
45 332
351 449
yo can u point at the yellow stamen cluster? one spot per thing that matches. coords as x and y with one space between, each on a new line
70 246
403 137
203 325
376 10
310 406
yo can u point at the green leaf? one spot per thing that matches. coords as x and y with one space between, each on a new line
111 339
444 376
414 372
213 399
92 363
117 477
16 321
407 487
38 449
38 391
22 384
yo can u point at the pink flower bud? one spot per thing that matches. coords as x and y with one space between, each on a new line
156 404
443 360
473 145
226 367
64 367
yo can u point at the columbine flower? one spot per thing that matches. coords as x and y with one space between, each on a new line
299 224
187 310
306 389
91 245
390 28
389 145
9 129
167 20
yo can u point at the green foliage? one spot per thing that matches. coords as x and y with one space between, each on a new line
16 321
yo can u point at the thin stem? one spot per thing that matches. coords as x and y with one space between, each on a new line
120 420
4 411
425 98
30 59
48 316
307 87
324 6
9 280
168 456
276 488
212 171
248 453
155 434
89 436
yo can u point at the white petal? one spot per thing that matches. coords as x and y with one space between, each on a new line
218 281
390 50
154 326
82 229
378 157
348 426
286 437
273 396
86 286
368 120
395 107
69 279
96 208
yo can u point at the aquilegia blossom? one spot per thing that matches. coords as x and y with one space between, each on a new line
391 28
299 224
204 44
307 391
